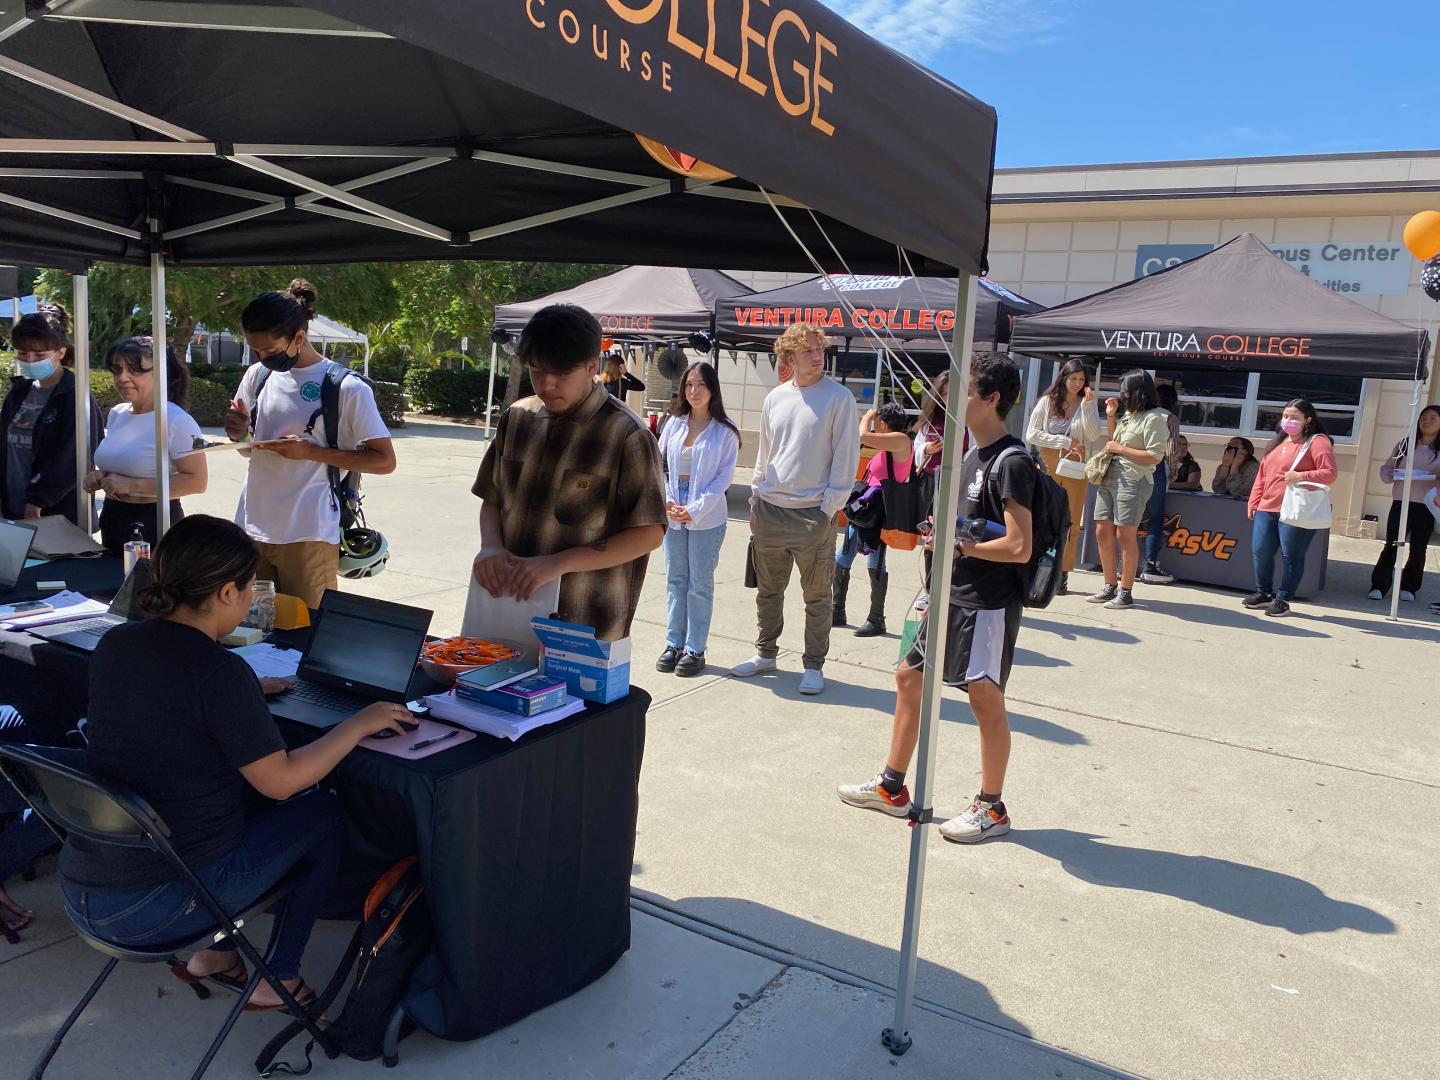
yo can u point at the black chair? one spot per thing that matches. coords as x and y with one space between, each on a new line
55 783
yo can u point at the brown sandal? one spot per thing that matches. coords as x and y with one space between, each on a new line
235 977
304 997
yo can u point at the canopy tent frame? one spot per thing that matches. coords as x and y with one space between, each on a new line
953 235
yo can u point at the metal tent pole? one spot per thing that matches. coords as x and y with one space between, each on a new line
80 312
367 356
897 1038
490 393
162 395
1402 540
879 363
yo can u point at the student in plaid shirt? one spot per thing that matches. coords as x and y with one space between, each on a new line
571 483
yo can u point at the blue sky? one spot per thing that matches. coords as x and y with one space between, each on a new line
1088 81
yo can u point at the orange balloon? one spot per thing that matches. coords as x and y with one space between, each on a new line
1422 235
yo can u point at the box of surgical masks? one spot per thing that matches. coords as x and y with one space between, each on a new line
591 669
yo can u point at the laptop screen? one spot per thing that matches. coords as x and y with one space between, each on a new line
363 644
15 540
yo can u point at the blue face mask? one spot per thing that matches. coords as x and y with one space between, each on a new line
39 370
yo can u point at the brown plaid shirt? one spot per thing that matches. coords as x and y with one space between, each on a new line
563 482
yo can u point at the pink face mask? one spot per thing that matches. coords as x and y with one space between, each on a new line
1292 427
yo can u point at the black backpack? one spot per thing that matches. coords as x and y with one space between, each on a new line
394 936
344 488
1050 529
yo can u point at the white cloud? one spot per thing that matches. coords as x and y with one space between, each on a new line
921 28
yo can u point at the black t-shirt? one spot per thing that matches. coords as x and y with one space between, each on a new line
173 717
980 583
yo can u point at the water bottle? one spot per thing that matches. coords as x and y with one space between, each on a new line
136 548
262 606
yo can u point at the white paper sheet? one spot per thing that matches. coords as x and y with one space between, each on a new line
504 618
270 661
68 605
497 722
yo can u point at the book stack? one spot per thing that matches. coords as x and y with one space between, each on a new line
508 712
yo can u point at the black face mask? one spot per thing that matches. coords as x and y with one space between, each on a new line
281 361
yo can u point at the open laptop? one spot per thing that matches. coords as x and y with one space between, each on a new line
86 633
15 540
361 651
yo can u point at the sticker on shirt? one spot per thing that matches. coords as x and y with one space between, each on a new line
310 391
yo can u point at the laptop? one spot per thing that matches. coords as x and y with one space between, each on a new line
361 651
86 633
16 537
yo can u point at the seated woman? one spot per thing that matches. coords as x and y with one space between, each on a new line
182 722
1187 469
125 458
1236 473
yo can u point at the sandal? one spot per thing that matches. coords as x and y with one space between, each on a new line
304 996
235 977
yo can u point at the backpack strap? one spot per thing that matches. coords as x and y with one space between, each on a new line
329 411
259 385
991 484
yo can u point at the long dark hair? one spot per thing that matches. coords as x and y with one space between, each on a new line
133 352
48 328
1137 392
1058 392
281 314
930 406
194 561
1313 424
610 367
1247 446
1420 439
712 383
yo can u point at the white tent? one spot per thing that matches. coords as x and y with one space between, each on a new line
326 331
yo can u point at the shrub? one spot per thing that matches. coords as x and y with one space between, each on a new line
102 385
227 377
208 402
450 393
390 400
388 363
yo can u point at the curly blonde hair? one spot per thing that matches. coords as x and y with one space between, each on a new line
796 337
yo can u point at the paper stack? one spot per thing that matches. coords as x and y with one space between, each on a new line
497 722
65 606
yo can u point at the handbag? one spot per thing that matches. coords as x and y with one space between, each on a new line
1071 466
1306 504
1098 467
905 508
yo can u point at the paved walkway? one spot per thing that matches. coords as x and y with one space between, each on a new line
1223 862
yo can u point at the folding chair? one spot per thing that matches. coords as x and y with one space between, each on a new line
71 801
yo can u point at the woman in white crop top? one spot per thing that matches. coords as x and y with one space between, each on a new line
125 459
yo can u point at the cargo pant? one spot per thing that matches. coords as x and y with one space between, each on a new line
786 538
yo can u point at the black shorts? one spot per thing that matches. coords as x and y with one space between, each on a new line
979 644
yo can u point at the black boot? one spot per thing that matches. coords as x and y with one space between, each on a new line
874 626
837 596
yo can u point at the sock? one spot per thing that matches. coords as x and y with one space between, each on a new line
988 798
891 780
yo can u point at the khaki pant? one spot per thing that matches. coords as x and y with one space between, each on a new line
785 538
304 569
1075 495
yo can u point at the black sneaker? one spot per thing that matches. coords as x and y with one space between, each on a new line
1258 599
691 664
668 659
1121 599
1277 608
1153 575
1064 586
1104 596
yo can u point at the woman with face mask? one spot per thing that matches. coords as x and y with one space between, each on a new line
1300 453
125 459
287 505
37 420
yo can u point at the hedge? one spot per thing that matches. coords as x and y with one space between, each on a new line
451 393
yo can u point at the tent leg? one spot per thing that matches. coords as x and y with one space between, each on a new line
367 357
1402 540
897 1037
162 395
879 363
81 313
490 393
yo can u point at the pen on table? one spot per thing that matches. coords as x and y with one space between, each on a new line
431 742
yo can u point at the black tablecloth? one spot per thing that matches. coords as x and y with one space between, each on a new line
100 576
526 850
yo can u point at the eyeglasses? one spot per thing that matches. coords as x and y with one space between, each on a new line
133 369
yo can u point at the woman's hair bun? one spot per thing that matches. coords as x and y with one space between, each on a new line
156 600
304 294
55 312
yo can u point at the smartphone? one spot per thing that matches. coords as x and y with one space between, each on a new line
27 607
924 528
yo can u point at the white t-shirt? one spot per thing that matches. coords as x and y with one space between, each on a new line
283 501
128 447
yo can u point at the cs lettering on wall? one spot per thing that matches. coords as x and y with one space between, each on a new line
1217 545
769 50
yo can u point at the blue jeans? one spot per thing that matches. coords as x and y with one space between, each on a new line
691 556
1155 513
850 547
307 829
1270 535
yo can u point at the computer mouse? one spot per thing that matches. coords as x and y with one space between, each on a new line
409 727
386 734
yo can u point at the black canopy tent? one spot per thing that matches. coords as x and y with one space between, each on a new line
1238 307
152 132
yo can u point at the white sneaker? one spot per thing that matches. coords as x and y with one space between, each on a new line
1408 597
979 821
756 665
1374 594
812 681
871 796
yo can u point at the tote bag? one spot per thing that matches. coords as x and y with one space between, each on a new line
1306 505
905 507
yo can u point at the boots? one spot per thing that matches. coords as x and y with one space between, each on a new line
837 601
874 626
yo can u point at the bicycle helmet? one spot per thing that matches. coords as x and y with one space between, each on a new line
363 553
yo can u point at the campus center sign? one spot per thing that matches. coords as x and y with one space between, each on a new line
1377 268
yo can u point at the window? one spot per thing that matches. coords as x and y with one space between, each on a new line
1250 403
1213 398
1336 399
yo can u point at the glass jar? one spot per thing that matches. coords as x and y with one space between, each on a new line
262 606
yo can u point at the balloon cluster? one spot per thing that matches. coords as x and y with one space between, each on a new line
1422 237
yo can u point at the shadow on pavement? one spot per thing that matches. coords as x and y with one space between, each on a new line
1381 627
1239 617
1246 892
1074 631
787 933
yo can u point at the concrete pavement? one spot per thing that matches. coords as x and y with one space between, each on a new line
1223 860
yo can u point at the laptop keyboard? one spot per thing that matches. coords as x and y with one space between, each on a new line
316 694
96 627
